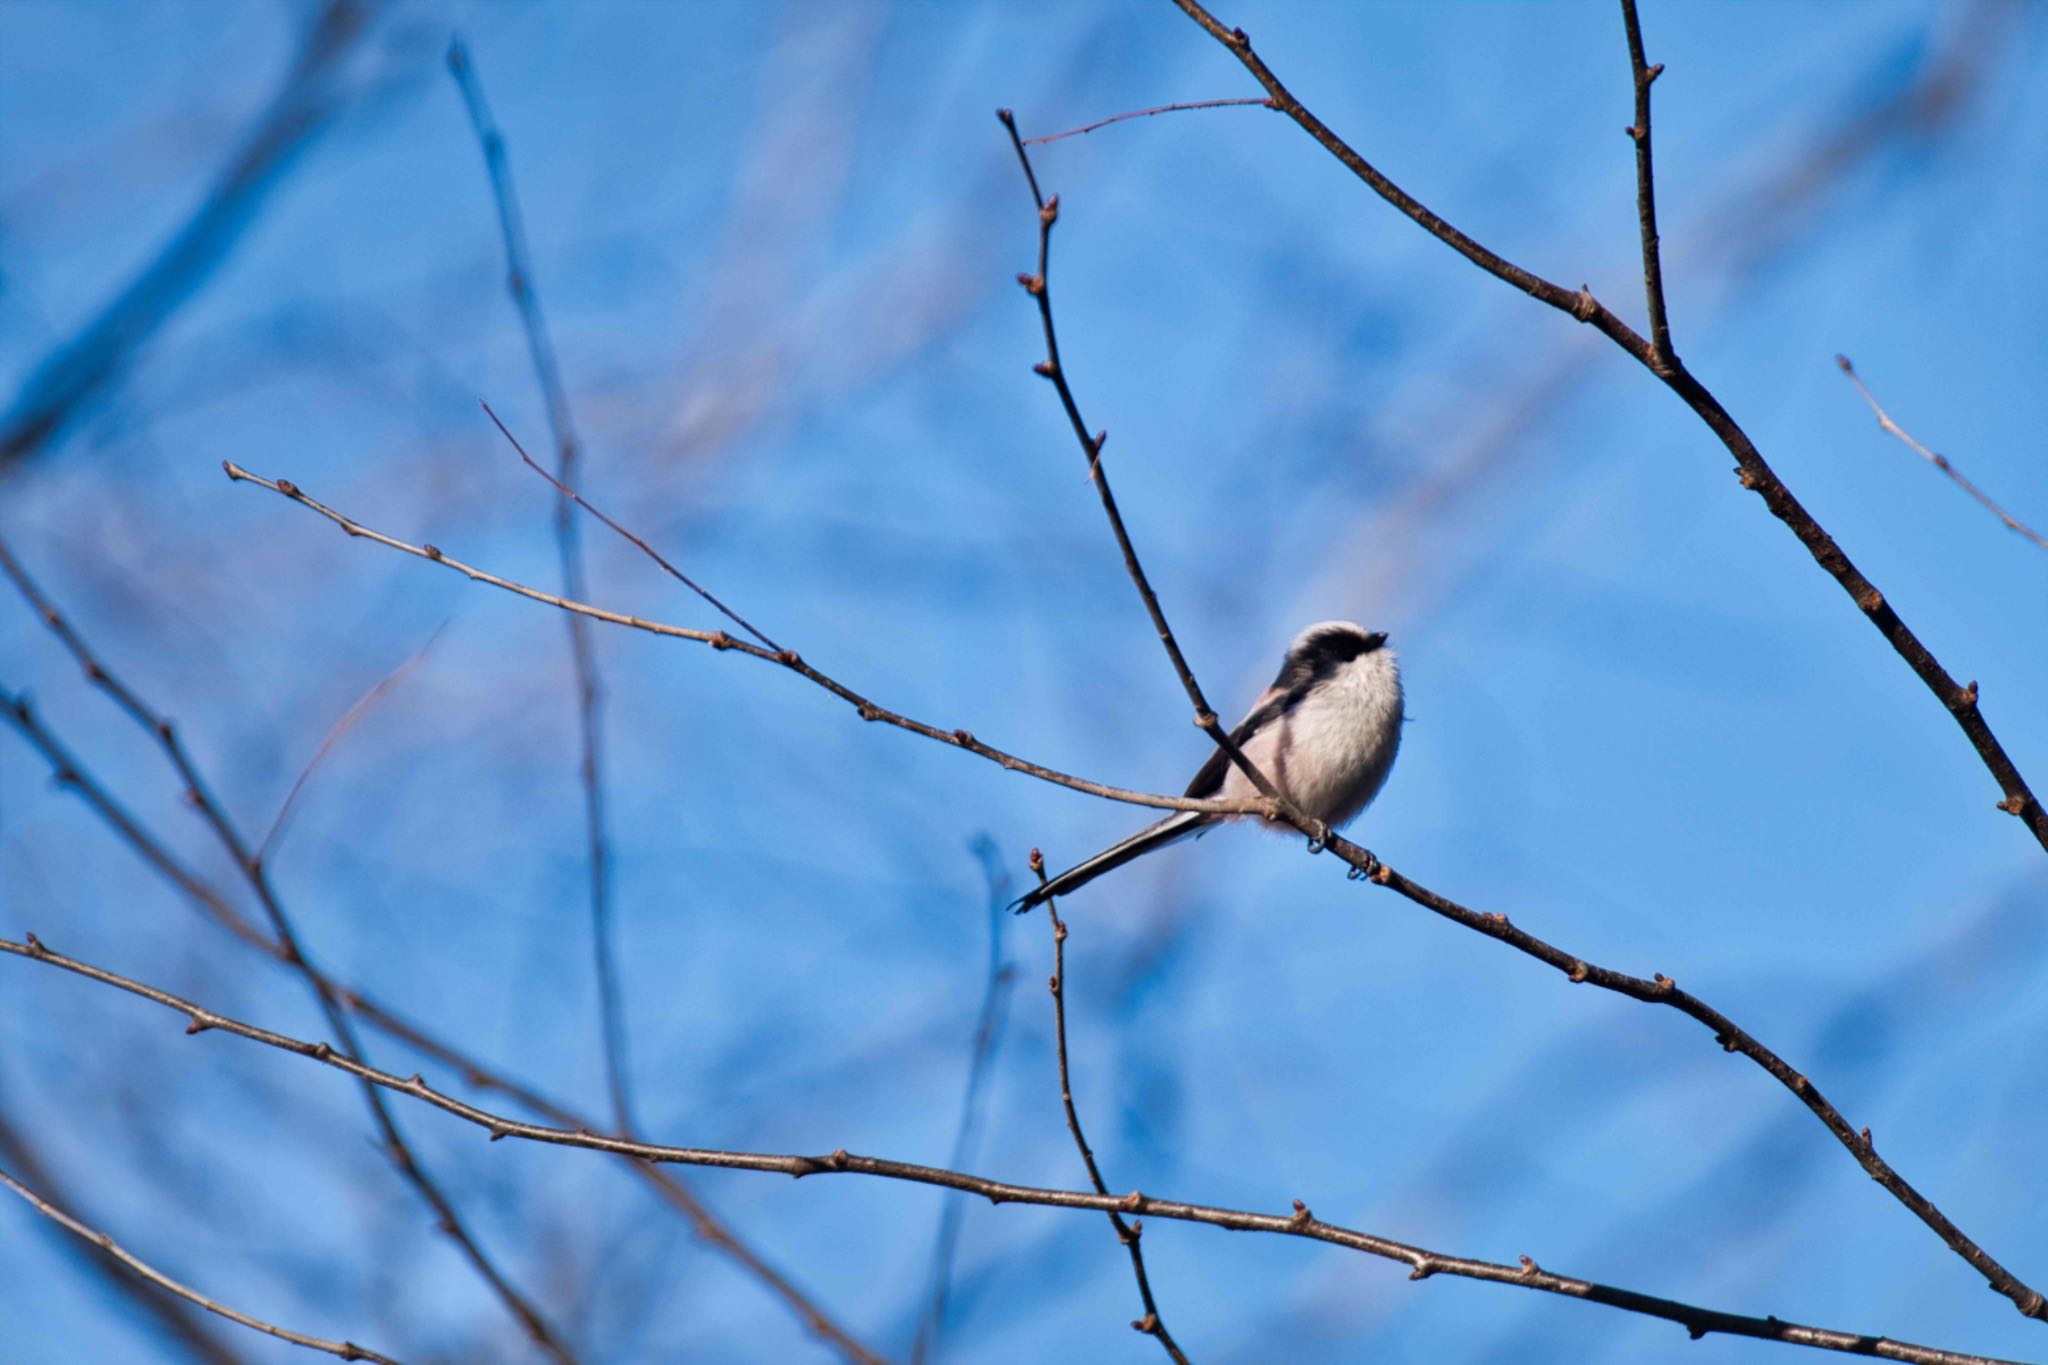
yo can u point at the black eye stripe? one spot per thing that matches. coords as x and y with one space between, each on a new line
1321 655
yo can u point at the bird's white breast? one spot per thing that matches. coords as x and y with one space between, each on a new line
1332 752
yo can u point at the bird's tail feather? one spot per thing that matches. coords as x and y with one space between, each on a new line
1176 826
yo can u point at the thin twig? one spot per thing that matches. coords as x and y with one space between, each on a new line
1661 356
988 1029
1039 286
589 684
1144 113
789 659
265 851
1421 1261
1753 471
347 1350
1363 864
1131 1233
283 942
566 491
1939 461
195 1338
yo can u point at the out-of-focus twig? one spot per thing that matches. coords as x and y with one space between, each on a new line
1129 1233
988 1028
674 1191
1087 128
59 389
547 371
266 851
347 1350
1939 461
1422 1262
670 569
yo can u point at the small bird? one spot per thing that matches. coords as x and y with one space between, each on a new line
1325 733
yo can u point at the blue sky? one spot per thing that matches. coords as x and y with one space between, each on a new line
776 246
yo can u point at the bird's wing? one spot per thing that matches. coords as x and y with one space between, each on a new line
1209 778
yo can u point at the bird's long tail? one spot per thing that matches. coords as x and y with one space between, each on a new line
1176 826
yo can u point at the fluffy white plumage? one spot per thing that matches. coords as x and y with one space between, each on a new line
1326 732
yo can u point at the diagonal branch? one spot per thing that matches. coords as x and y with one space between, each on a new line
1752 470
568 544
1127 1233
347 1350
1422 1262
787 658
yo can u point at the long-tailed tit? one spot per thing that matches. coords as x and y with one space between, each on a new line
1325 733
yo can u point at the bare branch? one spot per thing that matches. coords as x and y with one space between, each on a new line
1939 461
671 1188
347 1350
1039 286
1661 357
1421 1261
1152 1324
789 659
1087 128
198 1339
568 544
1753 471
283 943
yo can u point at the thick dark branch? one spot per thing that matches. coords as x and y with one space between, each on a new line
347 1350
1662 990
1152 1324
568 544
1751 468
1646 192
1421 1261
787 658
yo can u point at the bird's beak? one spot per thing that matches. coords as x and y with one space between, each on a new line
1375 640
